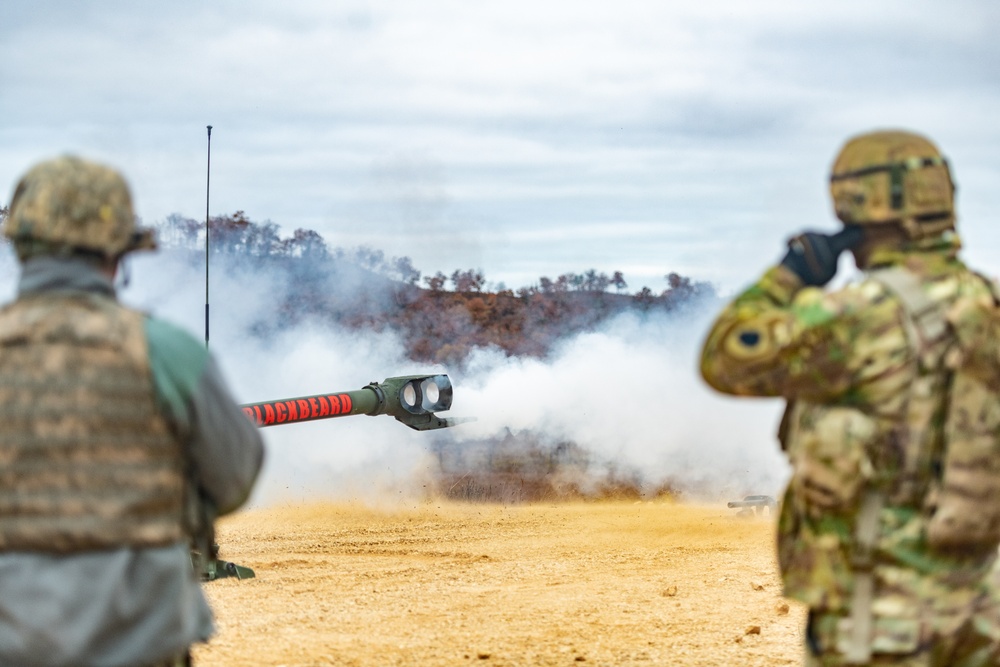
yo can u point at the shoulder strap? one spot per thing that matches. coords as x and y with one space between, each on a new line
926 325
858 648
991 284
926 319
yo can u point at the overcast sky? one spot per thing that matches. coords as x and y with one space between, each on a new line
525 138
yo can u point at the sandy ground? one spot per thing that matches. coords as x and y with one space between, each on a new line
609 583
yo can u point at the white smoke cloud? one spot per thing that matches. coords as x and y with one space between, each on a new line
628 394
325 459
631 396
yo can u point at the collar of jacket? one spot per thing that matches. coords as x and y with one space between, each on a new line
74 274
941 249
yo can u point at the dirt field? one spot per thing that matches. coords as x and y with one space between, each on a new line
610 583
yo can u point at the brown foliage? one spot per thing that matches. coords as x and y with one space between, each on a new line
364 290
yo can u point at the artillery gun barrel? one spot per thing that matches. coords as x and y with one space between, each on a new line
410 399
307 408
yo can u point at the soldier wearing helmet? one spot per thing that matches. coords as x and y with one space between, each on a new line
118 437
868 371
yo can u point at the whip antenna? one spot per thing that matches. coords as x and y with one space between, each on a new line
208 184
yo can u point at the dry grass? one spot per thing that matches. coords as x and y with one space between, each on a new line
600 583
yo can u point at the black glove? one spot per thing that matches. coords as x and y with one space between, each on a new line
812 256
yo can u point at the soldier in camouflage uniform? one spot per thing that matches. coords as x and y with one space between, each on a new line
867 375
117 437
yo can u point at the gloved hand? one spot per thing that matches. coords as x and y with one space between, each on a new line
812 256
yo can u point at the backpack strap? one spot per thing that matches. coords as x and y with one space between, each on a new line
857 646
926 320
926 324
992 285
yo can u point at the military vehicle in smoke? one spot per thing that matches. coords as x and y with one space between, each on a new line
411 399
753 505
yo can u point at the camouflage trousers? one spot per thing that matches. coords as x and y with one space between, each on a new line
974 642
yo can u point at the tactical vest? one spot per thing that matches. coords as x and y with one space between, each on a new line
86 459
930 449
963 501
892 446
904 445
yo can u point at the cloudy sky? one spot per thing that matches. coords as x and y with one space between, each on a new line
524 138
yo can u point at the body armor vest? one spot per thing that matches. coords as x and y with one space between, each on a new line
87 461
896 499
896 445
964 499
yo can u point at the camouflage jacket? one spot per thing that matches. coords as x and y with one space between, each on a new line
844 361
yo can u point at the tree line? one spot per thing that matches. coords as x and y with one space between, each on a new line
235 234
437 324
440 317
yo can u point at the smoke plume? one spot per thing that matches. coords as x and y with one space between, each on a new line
626 396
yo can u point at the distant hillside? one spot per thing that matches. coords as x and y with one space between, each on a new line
362 289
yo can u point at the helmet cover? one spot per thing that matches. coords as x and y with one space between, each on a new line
69 205
893 177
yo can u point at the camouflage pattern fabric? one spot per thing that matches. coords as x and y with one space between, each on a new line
893 176
962 636
86 459
967 515
68 204
857 391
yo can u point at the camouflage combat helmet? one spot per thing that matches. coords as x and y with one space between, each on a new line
69 206
893 177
